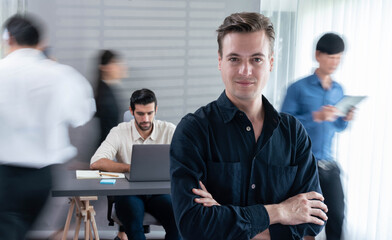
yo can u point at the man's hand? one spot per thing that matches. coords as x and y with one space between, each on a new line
302 208
108 165
326 113
350 115
207 200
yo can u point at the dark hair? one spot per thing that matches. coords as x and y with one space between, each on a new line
330 43
246 22
104 57
143 96
24 29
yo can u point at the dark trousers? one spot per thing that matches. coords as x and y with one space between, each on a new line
23 193
331 186
130 210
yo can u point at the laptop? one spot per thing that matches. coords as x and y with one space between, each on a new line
150 162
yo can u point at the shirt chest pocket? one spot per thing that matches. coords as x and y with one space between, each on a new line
280 181
224 181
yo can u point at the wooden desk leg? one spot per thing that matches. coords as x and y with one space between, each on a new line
77 228
88 214
91 234
85 211
93 223
69 217
86 230
78 215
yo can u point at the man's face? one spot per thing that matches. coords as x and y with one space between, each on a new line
144 115
328 62
245 64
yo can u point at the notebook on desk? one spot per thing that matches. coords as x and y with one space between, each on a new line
150 162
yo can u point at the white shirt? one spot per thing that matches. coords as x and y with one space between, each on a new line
39 99
118 144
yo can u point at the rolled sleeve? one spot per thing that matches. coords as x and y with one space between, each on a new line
259 218
340 124
108 148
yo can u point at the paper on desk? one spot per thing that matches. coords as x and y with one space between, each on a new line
94 174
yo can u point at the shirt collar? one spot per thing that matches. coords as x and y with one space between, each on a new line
112 82
271 115
226 107
229 110
26 52
315 80
154 133
136 135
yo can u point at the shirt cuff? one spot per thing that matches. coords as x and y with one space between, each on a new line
259 219
279 231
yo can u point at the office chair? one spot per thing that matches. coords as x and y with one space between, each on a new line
127 116
112 217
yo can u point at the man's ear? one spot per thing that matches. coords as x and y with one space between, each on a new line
130 109
219 61
271 63
10 40
317 55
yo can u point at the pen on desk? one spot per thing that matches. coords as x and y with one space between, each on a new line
109 175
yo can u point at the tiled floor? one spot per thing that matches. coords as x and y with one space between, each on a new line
156 234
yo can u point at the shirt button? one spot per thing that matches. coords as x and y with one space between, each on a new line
253 186
248 128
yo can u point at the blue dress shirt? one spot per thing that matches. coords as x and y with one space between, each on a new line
217 146
306 96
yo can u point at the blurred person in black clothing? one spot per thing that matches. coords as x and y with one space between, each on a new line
110 72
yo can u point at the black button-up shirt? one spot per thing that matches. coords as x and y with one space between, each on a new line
217 146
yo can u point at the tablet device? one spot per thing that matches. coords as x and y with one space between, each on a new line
150 162
346 103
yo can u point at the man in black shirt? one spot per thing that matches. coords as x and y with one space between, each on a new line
239 169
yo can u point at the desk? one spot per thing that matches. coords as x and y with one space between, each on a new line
66 185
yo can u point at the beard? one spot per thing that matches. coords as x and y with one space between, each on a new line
144 126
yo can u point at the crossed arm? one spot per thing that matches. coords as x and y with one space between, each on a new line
105 164
302 208
242 219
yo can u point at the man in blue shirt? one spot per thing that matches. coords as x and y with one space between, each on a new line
311 100
239 169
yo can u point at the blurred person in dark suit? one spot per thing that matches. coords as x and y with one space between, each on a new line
110 72
39 100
